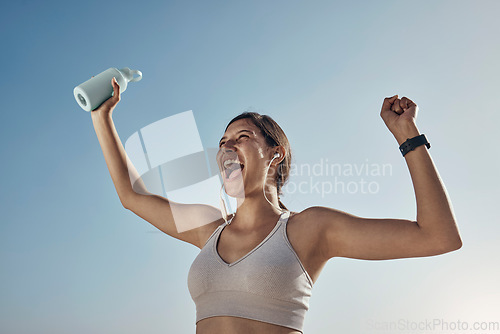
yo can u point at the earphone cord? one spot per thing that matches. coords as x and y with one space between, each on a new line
223 205
264 184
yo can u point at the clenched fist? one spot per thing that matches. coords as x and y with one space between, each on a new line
400 117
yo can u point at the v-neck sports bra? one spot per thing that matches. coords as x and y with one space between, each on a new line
268 284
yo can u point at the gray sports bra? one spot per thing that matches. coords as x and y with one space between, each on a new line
268 284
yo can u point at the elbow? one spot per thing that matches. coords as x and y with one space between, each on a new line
444 239
127 198
455 246
443 243
125 203
454 241
458 244
450 245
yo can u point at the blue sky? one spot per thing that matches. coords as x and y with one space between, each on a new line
74 260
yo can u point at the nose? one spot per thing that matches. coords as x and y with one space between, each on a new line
226 150
228 146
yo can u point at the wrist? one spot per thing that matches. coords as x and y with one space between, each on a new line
412 143
99 114
408 131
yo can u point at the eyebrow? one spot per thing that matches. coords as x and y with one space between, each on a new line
236 133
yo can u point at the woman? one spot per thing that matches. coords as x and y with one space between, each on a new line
256 268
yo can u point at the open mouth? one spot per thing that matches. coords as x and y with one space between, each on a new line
232 168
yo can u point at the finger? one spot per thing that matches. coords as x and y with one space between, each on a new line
388 101
396 107
409 103
116 88
404 103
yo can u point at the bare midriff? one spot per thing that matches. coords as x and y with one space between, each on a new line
231 325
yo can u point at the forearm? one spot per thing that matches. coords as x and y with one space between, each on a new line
119 165
434 210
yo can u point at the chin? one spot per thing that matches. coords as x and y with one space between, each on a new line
234 189
235 192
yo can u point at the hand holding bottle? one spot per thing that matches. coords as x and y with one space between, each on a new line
93 92
107 107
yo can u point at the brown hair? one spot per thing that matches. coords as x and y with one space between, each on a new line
275 136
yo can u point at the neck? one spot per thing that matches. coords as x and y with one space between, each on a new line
254 210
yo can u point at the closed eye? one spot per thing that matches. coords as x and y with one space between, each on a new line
222 142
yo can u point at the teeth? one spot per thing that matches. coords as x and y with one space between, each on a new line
229 162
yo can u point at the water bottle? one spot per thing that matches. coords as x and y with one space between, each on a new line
93 92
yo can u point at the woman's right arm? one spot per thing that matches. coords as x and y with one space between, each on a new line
196 221
112 148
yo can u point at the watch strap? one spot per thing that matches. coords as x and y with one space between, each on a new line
411 144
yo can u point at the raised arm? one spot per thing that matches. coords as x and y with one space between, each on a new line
435 230
112 148
155 209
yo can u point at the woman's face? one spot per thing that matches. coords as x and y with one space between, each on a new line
243 158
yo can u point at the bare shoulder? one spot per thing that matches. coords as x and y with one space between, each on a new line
305 233
301 231
303 221
320 212
207 230
313 225
331 228
315 217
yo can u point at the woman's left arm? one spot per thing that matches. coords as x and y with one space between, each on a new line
435 230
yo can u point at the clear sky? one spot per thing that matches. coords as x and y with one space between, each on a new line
73 260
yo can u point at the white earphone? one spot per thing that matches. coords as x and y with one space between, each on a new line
276 155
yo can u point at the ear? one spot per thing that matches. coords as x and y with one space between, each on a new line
280 153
